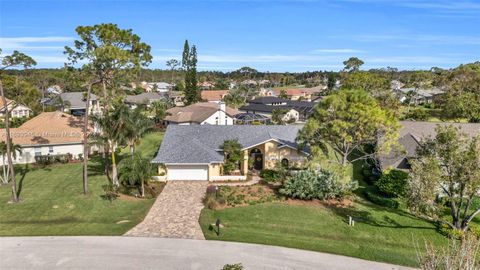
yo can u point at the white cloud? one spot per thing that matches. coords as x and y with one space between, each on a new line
34 43
338 51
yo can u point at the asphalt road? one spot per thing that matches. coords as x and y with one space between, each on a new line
163 253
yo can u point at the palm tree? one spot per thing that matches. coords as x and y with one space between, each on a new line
3 151
136 171
159 110
137 125
234 99
113 125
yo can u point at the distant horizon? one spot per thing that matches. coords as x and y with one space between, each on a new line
268 35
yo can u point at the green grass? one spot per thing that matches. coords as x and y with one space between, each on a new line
53 203
379 234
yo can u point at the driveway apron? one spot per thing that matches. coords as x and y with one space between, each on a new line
175 213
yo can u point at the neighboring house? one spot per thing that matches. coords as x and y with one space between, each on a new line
177 98
213 95
417 96
249 83
267 92
143 99
411 135
154 86
206 85
396 84
193 152
16 110
265 106
204 113
49 133
75 103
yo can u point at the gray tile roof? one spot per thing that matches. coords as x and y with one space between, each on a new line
201 143
412 133
144 98
76 99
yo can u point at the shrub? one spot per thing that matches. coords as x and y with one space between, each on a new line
418 114
322 184
393 183
269 176
387 202
237 266
474 229
51 159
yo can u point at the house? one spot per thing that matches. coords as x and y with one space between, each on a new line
75 103
154 86
213 95
145 99
297 110
411 135
206 85
193 152
204 113
49 133
16 110
267 92
176 97
417 96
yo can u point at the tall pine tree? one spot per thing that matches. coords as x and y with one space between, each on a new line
189 64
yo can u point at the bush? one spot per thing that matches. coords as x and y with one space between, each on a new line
474 229
449 232
237 266
269 176
418 114
387 202
51 159
322 184
214 198
393 183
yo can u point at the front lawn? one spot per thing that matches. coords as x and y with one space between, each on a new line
53 203
380 234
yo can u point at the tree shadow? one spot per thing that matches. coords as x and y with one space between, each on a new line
23 172
384 221
96 165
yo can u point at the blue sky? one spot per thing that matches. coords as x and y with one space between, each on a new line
269 35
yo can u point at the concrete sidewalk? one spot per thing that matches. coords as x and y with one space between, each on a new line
163 253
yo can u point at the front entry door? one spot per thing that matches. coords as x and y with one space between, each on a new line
257 157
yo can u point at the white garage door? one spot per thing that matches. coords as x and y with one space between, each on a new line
187 172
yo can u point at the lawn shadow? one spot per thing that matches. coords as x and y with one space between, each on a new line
384 221
56 221
96 165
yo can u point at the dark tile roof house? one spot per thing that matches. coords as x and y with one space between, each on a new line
144 98
266 105
76 100
411 135
200 144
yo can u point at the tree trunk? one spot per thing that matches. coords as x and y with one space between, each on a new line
132 149
143 190
9 144
85 141
5 176
114 170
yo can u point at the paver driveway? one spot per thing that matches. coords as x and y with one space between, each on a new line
175 213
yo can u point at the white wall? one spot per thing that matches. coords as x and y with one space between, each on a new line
222 116
28 152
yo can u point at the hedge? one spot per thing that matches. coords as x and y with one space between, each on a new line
374 198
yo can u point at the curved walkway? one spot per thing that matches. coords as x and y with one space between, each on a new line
175 213
163 253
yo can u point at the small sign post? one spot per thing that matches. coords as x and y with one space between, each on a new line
217 223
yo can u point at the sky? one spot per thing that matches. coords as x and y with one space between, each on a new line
269 35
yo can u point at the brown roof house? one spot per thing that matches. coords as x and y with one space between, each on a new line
49 133
411 135
204 113
16 110
213 95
